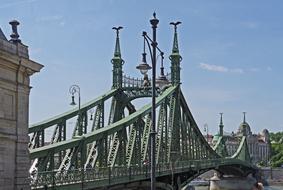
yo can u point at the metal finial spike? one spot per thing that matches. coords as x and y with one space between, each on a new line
244 116
154 14
117 52
221 119
175 40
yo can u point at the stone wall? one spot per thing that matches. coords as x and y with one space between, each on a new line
272 174
15 72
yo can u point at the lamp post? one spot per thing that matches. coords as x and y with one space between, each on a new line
144 67
73 90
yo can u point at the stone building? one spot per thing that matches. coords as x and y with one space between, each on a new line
259 144
15 70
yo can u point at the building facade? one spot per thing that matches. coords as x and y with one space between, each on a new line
15 71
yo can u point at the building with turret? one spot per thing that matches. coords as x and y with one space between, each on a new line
259 144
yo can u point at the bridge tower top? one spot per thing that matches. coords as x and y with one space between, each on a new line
175 48
117 61
221 125
117 51
175 57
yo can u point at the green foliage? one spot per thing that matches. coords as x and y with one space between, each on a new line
276 149
261 163
276 136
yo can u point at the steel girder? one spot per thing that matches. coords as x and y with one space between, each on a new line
72 113
220 147
37 131
242 152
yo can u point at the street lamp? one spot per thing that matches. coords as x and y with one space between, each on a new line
144 67
162 81
73 90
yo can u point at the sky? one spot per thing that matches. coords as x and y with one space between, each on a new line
232 53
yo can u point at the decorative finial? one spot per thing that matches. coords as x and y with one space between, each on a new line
175 24
154 21
117 29
244 116
175 42
14 36
117 52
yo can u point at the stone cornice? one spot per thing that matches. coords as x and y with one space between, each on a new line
30 65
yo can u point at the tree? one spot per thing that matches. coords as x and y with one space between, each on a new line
276 149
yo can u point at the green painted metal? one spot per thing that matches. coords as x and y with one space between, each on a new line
113 150
72 113
122 175
117 142
131 145
220 147
184 137
81 124
98 134
176 126
145 139
221 125
175 58
161 124
192 151
117 62
193 124
172 106
92 151
242 152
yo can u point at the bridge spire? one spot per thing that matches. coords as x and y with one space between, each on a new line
117 61
175 48
175 57
221 125
117 52
244 120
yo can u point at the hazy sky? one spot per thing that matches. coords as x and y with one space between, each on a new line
232 53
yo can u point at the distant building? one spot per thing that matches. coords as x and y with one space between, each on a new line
259 144
209 138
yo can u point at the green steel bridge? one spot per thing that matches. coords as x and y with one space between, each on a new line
114 154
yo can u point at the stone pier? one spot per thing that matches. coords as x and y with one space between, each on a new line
15 70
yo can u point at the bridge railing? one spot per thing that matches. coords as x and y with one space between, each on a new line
132 82
128 81
120 174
